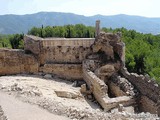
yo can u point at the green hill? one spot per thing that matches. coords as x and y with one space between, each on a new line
10 24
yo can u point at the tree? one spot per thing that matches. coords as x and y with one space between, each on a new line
16 41
35 31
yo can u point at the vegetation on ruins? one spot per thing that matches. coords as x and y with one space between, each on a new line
142 50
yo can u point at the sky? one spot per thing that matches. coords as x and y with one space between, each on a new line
147 8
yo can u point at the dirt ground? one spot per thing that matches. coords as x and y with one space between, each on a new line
18 110
33 97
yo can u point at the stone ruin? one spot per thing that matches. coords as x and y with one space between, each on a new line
99 61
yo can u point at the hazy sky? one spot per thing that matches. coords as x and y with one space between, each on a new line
148 8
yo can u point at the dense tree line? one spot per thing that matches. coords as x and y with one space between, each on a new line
68 31
14 41
142 50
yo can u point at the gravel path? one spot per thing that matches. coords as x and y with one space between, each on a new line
18 110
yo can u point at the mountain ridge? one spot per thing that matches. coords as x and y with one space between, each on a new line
11 24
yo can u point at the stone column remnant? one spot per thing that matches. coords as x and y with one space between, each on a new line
97 28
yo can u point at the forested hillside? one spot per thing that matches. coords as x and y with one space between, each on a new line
12 24
142 50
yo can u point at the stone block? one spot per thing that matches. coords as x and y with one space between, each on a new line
67 94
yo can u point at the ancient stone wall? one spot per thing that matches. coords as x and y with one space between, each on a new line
67 71
74 42
32 44
16 61
63 54
105 60
100 62
149 100
59 56
100 91
58 50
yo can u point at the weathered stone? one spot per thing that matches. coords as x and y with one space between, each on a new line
121 86
16 87
75 83
67 94
119 49
147 105
100 91
16 61
48 76
105 71
97 28
32 44
58 50
83 88
116 90
150 94
120 108
67 71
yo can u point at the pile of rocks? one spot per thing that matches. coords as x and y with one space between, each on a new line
124 85
2 116
23 90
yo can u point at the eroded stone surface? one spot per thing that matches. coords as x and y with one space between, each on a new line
99 67
67 94
16 61
121 86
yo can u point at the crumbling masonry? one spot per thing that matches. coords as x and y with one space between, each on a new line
99 61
